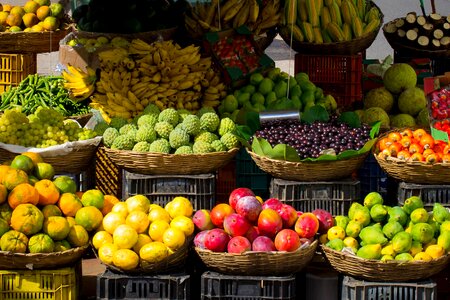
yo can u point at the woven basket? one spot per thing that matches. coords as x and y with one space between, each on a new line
54 260
173 263
400 46
389 271
351 47
258 263
309 171
170 164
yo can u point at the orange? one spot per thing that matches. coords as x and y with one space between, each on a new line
14 20
43 12
23 193
157 229
174 238
22 162
121 208
31 6
138 220
89 217
138 202
4 226
56 227
44 170
106 252
143 239
3 16
78 236
125 259
125 237
93 198
3 170
18 10
154 252
27 219
7 7
14 241
179 206
57 10
35 157
48 192
183 223
100 238
51 23
61 246
32 180
15 29
65 184
108 203
3 193
51 210
69 204
112 220
158 213
43 2
71 221
6 212
37 28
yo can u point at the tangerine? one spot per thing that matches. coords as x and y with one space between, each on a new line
3 193
69 204
56 227
35 157
90 217
48 192
78 236
31 6
22 194
100 238
43 12
51 210
44 170
30 19
22 162
108 203
14 20
93 198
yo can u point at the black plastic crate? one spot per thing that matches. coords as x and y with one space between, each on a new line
227 287
160 189
354 289
372 178
333 196
249 175
164 287
429 193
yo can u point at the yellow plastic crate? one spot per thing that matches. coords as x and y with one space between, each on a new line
14 68
55 284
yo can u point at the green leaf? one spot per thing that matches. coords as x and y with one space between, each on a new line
367 146
252 121
284 152
261 147
347 154
244 134
350 118
326 157
375 129
315 113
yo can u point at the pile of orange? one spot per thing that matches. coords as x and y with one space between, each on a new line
413 145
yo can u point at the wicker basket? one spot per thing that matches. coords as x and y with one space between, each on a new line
258 263
400 46
351 47
309 171
389 271
54 260
169 164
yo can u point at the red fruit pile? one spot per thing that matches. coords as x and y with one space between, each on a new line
440 104
248 224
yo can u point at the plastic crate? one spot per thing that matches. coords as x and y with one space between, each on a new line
225 182
226 287
338 75
427 192
160 189
354 289
163 287
56 284
14 68
372 178
249 175
108 176
333 196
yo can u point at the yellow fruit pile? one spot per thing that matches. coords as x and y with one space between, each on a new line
41 213
136 231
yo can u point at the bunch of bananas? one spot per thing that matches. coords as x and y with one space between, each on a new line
214 16
162 73
80 84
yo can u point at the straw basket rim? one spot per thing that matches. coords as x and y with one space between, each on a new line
11 260
309 171
152 163
258 262
376 270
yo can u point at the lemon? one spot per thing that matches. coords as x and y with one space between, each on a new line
336 232
422 256
157 229
174 238
142 240
138 220
100 238
125 259
183 223
154 252
138 202
121 208
106 252
158 213
435 251
179 206
125 237
112 220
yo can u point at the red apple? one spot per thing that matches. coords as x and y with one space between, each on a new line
219 212
237 194
272 203
239 244
216 240
307 225
252 233
236 225
269 223
249 207
287 240
263 243
288 214
199 239
325 219
202 220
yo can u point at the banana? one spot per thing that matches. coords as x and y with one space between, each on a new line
242 16
232 12
184 85
254 11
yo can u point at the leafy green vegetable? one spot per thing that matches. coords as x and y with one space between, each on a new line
315 113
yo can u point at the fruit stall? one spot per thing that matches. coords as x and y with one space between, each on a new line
169 156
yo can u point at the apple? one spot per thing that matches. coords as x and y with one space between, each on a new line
237 194
216 240
325 219
219 212
236 225
202 220
307 225
288 214
269 223
263 243
252 233
272 203
239 244
199 239
249 207
287 240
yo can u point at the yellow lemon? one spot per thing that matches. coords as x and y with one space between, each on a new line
138 220
156 230
179 206
174 238
435 251
125 259
142 240
100 238
112 220
106 252
158 213
121 208
138 202
336 232
422 256
183 223
125 237
154 252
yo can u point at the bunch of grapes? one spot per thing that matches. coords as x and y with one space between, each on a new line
310 140
46 127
